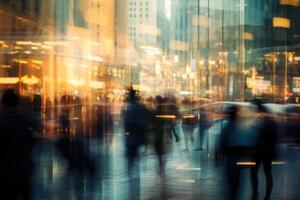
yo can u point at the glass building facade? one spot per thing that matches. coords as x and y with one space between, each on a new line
217 49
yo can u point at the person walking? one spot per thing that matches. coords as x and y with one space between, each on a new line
231 152
265 151
203 126
162 133
189 122
136 119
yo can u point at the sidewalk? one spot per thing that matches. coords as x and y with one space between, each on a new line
189 175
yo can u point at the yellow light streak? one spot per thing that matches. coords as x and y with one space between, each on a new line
248 163
188 116
9 80
23 42
36 44
46 47
21 61
185 167
166 116
38 62
187 181
6 66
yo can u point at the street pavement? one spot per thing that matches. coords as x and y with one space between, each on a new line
189 174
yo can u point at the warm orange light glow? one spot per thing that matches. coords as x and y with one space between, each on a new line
38 62
9 80
30 81
246 163
166 116
140 87
97 84
77 82
23 42
188 116
290 2
21 61
281 22
248 36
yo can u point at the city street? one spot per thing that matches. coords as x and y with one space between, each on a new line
189 175
149 99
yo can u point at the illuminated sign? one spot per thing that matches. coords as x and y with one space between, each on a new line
296 84
281 22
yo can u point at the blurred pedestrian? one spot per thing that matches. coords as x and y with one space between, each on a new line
18 136
73 148
231 152
162 132
103 122
173 111
136 119
65 114
189 122
265 151
203 126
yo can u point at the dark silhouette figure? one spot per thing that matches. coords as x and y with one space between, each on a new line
103 122
265 151
231 152
65 124
203 126
136 120
72 147
162 132
189 121
172 110
17 139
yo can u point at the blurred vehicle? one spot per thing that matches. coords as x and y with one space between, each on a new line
247 123
215 110
292 124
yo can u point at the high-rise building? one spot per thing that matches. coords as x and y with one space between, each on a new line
239 48
142 22
163 24
122 40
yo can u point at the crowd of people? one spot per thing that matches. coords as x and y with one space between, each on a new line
149 123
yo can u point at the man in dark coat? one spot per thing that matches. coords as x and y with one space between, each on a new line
265 151
136 118
17 140
231 152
